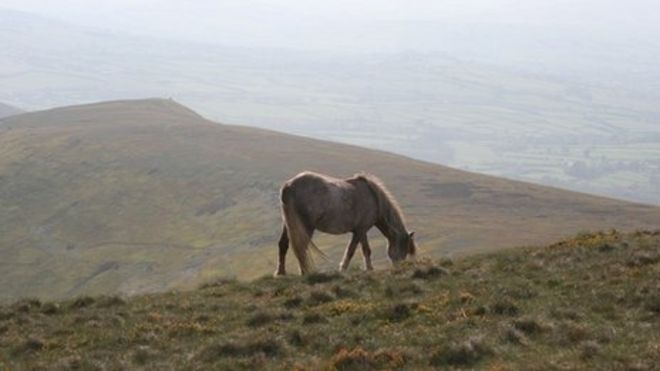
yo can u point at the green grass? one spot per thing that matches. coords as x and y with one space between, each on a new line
592 301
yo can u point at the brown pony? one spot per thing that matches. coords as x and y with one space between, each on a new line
313 201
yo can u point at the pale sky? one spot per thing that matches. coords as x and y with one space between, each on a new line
275 21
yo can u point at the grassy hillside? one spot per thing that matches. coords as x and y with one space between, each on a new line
139 196
7 110
589 302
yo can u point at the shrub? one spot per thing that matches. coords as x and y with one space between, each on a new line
82 302
260 319
589 349
26 305
530 326
653 303
505 307
515 336
429 273
572 333
293 302
319 297
268 347
341 292
29 345
399 312
467 353
110 301
310 318
50 308
142 354
294 337
319 277
355 359
360 359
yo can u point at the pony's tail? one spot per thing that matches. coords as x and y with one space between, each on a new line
298 235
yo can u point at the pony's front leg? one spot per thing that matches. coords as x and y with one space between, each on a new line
350 250
366 252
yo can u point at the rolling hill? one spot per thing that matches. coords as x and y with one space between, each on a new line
7 110
147 195
589 302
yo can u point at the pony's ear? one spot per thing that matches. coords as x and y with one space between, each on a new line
411 234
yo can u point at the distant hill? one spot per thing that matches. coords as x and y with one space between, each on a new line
590 303
7 110
146 195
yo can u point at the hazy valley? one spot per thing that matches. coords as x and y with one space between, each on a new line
589 131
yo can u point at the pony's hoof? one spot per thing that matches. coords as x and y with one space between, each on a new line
279 273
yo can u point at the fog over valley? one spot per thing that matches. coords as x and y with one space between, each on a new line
555 92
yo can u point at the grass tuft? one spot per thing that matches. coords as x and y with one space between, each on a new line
321 277
505 306
29 345
653 303
530 326
467 353
399 312
358 359
311 318
267 347
515 336
429 273
319 297
294 302
83 302
50 308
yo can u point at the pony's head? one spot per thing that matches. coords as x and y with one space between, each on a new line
401 246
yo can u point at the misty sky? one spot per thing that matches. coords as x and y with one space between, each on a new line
342 24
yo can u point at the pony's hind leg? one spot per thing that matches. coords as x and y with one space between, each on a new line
283 247
350 250
366 252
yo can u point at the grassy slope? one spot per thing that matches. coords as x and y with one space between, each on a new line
137 196
592 301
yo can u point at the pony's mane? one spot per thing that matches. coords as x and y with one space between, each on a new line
387 204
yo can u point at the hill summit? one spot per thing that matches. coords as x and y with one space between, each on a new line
146 195
154 111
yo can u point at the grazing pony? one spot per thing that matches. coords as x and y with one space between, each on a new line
313 201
